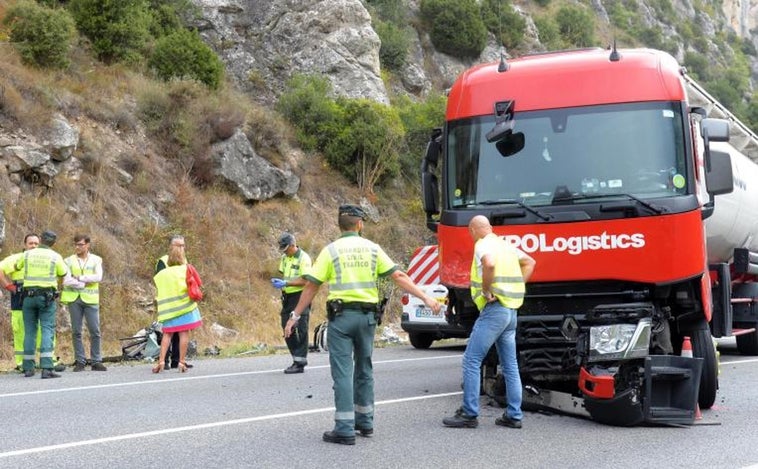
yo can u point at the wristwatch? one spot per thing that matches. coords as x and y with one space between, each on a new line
294 316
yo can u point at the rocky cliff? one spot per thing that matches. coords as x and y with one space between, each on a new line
263 43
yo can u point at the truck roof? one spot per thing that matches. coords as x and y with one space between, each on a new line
567 79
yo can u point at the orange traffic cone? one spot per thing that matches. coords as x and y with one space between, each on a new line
686 347
687 352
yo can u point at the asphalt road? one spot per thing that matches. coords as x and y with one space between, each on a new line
244 412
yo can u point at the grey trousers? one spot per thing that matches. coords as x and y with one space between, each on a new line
81 311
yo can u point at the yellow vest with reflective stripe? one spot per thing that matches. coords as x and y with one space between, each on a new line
40 268
8 266
172 297
293 267
508 285
354 260
90 294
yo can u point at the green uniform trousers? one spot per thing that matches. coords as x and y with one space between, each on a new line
351 341
17 326
38 312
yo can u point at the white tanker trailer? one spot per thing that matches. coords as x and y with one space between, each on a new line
732 232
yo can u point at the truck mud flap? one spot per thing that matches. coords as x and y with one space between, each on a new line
670 395
672 384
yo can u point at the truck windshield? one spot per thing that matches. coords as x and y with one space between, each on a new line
634 149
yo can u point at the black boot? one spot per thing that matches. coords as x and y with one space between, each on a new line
47 374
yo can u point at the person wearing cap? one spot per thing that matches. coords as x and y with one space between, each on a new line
42 268
83 300
351 266
13 281
172 357
293 264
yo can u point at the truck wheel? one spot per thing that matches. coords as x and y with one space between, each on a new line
703 347
420 340
747 344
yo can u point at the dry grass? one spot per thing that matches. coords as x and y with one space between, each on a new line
232 243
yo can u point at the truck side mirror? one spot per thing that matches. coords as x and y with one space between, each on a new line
717 130
429 183
719 180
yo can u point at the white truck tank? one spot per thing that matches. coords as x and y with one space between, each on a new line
734 223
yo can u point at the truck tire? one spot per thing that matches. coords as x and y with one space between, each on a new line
747 344
420 340
703 347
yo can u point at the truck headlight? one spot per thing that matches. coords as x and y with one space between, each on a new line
620 341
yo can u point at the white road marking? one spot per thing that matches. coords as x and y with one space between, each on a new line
189 378
223 423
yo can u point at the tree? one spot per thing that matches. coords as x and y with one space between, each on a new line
366 149
41 35
577 25
182 54
118 29
306 105
456 26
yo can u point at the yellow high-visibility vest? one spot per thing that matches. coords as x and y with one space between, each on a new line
351 265
90 294
41 266
508 285
293 267
172 297
8 266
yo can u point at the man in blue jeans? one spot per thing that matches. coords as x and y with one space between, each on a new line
499 272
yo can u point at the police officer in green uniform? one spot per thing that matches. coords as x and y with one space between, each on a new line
350 266
42 267
293 264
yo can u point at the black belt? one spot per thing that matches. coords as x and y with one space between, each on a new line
35 291
361 306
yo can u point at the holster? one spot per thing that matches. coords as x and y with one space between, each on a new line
333 309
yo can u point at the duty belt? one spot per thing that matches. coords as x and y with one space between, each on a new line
37 291
360 306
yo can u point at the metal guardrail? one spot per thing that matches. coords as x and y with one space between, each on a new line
741 137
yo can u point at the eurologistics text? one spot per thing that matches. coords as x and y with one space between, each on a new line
574 245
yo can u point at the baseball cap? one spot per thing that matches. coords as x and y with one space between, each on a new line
353 211
48 237
286 240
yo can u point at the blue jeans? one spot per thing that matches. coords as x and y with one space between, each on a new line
496 325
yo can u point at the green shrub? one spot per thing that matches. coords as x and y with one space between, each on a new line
502 21
456 27
548 32
419 118
391 11
751 113
366 148
42 35
118 29
168 16
307 106
395 43
577 25
182 54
